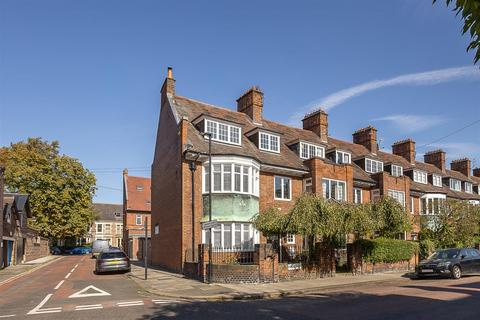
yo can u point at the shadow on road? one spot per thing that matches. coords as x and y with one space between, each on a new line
456 301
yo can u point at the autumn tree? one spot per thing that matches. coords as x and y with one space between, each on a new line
60 188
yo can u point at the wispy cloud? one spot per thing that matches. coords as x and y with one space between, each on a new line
413 79
412 123
457 150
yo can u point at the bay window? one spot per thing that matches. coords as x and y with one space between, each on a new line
334 189
432 203
230 176
232 235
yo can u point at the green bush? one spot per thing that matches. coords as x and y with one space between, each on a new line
387 250
426 248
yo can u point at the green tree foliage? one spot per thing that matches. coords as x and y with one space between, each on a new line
455 225
470 12
60 188
331 220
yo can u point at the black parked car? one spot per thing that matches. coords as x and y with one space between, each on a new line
450 262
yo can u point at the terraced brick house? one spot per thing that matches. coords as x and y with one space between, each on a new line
108 224
136 208
258 163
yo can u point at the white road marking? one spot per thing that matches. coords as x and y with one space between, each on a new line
82 294
58 285
38 309
164 301
130 303
88 307
68 275
73 269
76 265
8 316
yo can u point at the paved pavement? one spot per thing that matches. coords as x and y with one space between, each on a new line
13 272
172 285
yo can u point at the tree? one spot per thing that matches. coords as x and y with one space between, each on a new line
470 11
60 188
455 225
391 216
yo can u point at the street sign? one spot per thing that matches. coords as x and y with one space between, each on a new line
210 224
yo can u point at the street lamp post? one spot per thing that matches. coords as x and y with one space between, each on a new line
210 175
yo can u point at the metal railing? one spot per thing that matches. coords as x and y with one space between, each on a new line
233 255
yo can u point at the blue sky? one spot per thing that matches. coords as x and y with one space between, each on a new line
88 73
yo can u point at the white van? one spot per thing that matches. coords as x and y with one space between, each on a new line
98 246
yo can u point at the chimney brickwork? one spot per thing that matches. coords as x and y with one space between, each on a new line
251 103
168 86
317 122
463 166
437 158
405 149
366 137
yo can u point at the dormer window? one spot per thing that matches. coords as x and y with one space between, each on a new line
437 180
420 176
269 142
455 184
342 157
396 171
308 150
223 132
373 166
468 187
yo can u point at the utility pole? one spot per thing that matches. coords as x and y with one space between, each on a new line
145 256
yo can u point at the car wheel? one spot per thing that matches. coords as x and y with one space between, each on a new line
456 272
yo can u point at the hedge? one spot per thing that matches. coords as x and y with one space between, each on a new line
387 250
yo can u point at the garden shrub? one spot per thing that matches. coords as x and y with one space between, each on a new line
387 250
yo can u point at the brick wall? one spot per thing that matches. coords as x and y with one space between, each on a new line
167 193
36 248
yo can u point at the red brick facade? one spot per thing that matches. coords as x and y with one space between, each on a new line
177 223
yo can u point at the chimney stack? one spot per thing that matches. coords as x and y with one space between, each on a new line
463 166
251 103
367 137
405 149
436 157
168 86
476 172
317 122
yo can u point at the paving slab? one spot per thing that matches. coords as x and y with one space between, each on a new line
13 272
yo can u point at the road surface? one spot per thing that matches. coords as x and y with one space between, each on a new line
68 289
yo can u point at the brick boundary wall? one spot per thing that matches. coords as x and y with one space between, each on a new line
36 248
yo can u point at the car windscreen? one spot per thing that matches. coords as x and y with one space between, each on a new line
445 254
112 255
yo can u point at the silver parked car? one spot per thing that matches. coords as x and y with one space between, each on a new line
112 261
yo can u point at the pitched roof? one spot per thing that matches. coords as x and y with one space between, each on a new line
108 211
138 193
193 109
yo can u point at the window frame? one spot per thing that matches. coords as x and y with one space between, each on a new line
324 192
229 132
465 184
269 144
396 170
99 225
418 176
343 154
455 182
290 238
136 220
355 196
317 149
282 180
307 182
252 234
394 194
378 165
252 177
437 178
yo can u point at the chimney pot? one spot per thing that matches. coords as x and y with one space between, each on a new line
169 73
168 86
